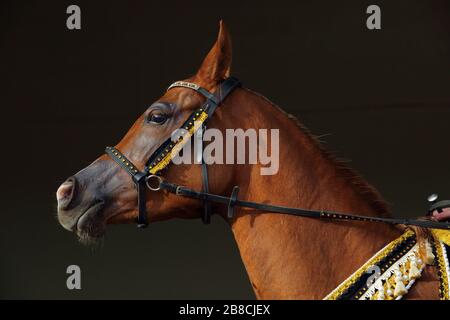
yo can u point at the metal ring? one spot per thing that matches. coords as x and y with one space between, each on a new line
158 178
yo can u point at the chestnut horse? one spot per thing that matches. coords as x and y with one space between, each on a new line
286 257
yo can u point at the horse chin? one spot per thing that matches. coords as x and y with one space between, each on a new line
91 225
89 240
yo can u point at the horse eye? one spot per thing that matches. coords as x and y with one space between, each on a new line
157 118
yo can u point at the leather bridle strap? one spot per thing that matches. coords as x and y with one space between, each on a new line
139 179
206 217
323 214
212 102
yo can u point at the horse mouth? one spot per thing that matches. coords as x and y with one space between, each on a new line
90 225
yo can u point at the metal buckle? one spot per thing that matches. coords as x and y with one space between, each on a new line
232 202
158 180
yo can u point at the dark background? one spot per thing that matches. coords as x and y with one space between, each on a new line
382 96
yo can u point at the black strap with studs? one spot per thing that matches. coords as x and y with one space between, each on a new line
138 178
232 201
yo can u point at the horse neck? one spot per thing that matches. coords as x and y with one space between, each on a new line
293 257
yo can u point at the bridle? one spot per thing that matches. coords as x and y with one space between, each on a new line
163 156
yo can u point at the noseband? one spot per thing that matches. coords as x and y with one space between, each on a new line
164 154
162 157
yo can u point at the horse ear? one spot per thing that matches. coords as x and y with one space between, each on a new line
217 64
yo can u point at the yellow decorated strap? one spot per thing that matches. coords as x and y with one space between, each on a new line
164 162
442 235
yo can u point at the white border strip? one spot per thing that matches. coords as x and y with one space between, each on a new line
446 263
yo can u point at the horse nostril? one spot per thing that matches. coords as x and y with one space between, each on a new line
65 193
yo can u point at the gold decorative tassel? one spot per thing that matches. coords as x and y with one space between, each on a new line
405 274
429 256
400 289
414 272
389 292
380 295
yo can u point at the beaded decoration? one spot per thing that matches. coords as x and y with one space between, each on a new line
400 267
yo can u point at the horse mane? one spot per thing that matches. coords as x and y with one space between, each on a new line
355 180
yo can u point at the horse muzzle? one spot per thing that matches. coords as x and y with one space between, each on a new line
80 209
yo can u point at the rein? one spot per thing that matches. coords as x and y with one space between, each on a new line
232 202
163 156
